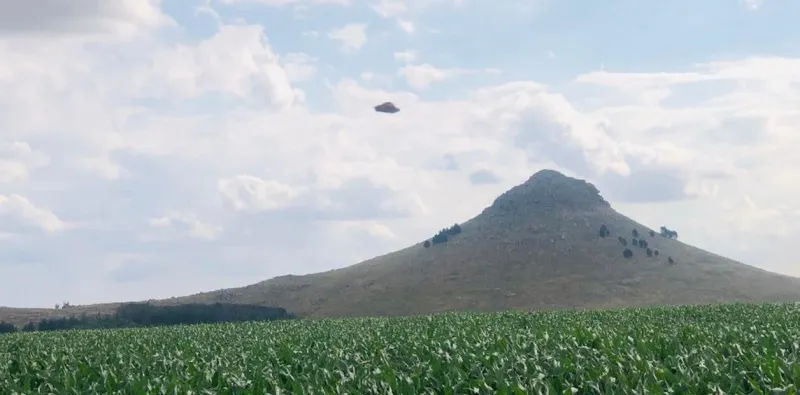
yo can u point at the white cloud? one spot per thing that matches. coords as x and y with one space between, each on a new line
299 66
251 193
407 26
17 160
752 4
121 17
196 228
236 61
351 37
405 56
422 76
19 213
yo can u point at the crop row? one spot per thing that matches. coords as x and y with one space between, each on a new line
683 350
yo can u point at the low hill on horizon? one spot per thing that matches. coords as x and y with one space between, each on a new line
552 242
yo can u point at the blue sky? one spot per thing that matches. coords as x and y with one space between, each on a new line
156 148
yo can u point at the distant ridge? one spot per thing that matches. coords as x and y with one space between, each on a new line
538 246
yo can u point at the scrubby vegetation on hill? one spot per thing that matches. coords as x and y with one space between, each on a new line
444 235
146 315
635 241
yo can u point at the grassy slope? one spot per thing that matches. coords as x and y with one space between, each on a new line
536 247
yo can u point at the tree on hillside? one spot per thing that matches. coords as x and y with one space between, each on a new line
604 232
635 242
642 243
440 237
655 252
649 252
670 260
635 233
666 232
622 241
453 230
427 244
627 253
652 233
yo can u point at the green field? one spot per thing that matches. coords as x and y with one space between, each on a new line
732 349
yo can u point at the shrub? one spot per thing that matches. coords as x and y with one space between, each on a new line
670 260
440 237
655 252
427 244
666 232
453 230
652 233
622 241
635 242
642 243
649 252
635 233
627 253
604 232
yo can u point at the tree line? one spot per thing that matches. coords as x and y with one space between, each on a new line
132 315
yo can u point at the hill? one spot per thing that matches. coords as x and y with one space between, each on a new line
538 246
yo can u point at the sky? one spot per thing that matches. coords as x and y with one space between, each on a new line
157 148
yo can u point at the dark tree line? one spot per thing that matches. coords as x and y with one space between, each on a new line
6 327
147 315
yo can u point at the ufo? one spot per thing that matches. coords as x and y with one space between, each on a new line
387 107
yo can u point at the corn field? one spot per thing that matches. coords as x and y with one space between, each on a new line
731 349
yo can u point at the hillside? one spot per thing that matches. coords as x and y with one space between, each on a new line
536 247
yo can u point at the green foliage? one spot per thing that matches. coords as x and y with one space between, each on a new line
444 235
635 242
627 253
670 260
604 232
635 233
649 252
440 237
453 230
623 241
732 349
668 233
6 327
642 243
427 244
652 233
145 315
656 252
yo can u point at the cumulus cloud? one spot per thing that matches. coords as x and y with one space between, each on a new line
20 214
405 56
251 193
351 37
180 150
422 76
124 17
18 159
187 222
